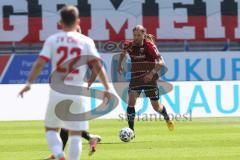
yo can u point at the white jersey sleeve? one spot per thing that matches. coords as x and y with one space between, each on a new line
92 51
46 52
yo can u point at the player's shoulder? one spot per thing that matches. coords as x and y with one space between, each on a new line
152 48
87 39
149 44
127 44
54 36
83 38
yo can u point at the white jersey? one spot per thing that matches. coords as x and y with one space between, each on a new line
61 48
67 47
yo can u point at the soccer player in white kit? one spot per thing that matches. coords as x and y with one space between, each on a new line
61 47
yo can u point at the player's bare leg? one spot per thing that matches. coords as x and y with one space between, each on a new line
162 110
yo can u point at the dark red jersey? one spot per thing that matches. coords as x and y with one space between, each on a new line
142 58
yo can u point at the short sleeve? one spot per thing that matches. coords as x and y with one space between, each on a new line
46 52
153 51
92 52
127 44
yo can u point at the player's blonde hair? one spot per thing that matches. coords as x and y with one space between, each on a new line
148 37
69 14
139 28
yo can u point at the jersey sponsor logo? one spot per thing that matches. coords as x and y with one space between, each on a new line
138 57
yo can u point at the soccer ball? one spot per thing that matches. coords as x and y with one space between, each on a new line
126 134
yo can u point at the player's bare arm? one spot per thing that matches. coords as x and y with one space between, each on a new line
93 76
99 70
120 62
159 63
37 67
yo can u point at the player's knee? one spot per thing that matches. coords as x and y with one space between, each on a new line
156 106
131 103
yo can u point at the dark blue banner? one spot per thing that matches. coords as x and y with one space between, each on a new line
19 67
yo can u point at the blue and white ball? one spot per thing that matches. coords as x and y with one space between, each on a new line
126 134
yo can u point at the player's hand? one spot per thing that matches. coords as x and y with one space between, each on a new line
107 96
120 69
25 89
148 77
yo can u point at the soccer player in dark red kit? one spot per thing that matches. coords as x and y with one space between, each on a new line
146 63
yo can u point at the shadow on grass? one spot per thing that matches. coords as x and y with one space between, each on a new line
112 143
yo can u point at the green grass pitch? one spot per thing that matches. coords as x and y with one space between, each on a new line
199 139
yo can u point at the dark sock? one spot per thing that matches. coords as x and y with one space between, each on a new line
164 114
131 117
64 137
86 135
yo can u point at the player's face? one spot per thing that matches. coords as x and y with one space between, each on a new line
138 36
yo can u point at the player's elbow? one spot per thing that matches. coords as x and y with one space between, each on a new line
97 66
160 63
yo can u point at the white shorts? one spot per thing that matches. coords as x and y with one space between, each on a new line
51 119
